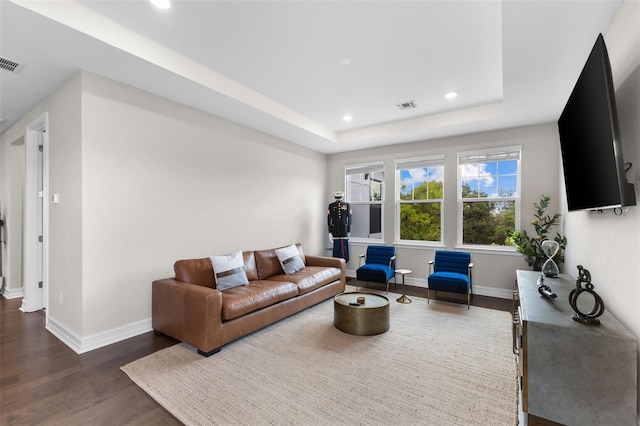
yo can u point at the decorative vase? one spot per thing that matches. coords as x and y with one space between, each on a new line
550 248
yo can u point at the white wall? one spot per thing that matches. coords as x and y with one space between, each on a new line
163 182
606 244
65 219
493 272
144 182
12 163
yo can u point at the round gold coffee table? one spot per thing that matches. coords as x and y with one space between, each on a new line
361 319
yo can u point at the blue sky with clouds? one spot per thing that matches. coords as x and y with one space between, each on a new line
492 178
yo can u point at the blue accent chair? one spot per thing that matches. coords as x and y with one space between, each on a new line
379 265
450 271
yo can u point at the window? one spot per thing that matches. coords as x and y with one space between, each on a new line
365 194
419 197
488 195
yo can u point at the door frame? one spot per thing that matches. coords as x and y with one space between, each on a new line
35 254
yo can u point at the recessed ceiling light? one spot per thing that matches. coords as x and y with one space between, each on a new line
344 60
161 4
451 95
346 118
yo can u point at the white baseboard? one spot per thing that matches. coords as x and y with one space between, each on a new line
500 293
81 344
10 293
67 337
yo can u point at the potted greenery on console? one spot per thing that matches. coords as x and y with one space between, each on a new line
531 247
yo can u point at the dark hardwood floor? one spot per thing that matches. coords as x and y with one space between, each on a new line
43 382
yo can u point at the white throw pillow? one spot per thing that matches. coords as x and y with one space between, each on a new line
290 259
229 271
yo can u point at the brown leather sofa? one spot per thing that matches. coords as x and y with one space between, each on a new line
189 308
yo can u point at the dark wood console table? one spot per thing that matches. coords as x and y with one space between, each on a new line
571 373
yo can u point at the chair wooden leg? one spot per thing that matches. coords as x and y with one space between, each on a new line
428 296
468 299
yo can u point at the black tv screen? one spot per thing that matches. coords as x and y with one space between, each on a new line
589 139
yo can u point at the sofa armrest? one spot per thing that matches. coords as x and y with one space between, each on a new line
188 312
331 262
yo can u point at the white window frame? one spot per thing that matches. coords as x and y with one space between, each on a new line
371 167
481 156
415 163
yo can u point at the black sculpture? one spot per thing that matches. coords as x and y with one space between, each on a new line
584 277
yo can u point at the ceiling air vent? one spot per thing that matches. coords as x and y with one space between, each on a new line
407 105
9 65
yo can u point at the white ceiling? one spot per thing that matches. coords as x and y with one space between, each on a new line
274 66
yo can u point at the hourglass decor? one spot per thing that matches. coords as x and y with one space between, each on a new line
591 318
550 248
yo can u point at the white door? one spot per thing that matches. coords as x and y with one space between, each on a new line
35 220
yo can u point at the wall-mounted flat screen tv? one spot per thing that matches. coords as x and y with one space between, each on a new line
594 170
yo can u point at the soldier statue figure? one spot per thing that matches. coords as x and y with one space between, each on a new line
339 222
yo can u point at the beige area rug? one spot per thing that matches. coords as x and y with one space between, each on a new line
439 364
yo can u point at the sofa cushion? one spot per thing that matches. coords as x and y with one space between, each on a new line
250 265
289 259
310 278
267 262
195 271
200 271
228 271
239 301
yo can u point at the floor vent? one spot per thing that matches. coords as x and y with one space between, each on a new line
407 105
9 65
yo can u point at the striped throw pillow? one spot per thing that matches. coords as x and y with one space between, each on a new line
229 271
290 259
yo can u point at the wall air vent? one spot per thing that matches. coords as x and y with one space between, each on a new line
407 105
9 65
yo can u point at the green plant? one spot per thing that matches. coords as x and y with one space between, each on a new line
531 247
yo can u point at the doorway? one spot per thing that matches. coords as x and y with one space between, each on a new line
35 259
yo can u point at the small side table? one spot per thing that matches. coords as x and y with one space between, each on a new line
403 298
